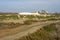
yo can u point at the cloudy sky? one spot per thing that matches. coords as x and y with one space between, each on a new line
29 5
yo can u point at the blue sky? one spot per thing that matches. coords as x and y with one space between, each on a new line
29 5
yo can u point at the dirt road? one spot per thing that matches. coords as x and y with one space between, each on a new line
28 29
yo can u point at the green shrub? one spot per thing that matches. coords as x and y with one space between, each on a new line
50 27
28 22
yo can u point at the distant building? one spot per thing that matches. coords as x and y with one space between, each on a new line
41 13
28 13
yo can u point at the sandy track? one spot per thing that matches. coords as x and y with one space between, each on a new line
28 29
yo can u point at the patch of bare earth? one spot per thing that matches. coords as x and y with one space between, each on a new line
11 34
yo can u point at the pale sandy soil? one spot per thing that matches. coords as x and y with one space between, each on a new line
11 34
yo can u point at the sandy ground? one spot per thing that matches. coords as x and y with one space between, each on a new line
25 29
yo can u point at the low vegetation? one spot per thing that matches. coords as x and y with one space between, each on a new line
4 17
9 25
46 33
50 27
9 16
27 22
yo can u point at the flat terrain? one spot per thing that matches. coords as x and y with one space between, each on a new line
14 26
23 30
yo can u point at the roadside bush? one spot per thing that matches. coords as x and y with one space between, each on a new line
27 22
50 27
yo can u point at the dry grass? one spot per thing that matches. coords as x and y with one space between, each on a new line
13 28
9 28
45 33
